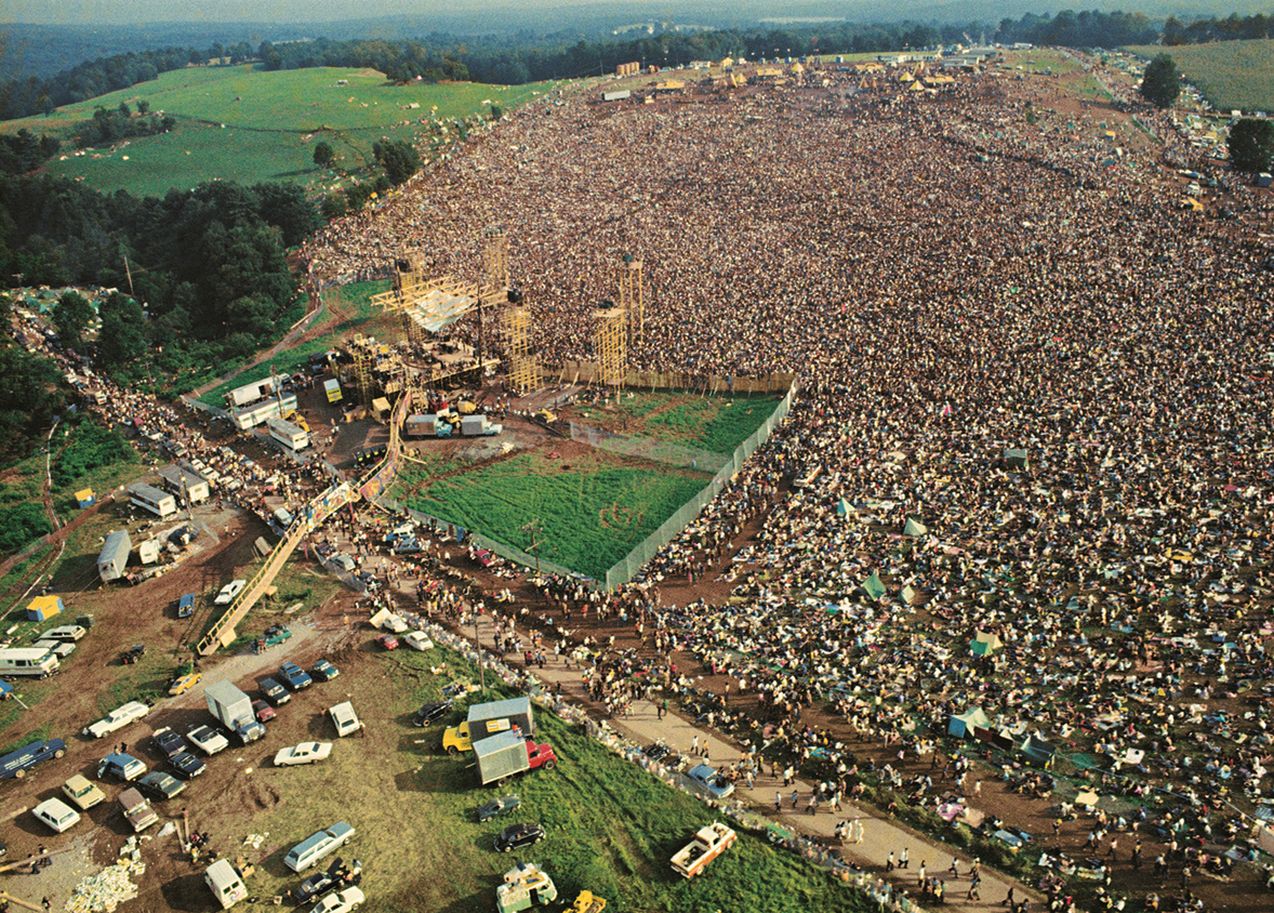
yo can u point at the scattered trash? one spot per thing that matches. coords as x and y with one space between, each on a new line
107 889
169 828
255 840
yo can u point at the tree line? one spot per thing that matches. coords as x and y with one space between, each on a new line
206 268
523 59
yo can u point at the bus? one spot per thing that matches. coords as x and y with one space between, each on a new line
160 503
37 662
291 436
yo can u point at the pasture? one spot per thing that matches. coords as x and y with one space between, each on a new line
244 124
1230 74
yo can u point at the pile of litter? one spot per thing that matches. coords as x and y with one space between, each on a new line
104 891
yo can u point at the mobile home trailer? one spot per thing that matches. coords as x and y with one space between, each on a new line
249 417
174 478
291 436
113 558
160 503
250 393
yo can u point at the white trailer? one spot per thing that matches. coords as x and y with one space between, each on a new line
249 417
291 436
158 502
113 558
250 393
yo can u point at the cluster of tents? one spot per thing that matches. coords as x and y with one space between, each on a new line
975 724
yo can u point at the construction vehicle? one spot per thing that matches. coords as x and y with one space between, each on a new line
587 902
709 842
296 418
547 416
526 885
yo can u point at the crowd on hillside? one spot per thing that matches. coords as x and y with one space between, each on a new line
1004 333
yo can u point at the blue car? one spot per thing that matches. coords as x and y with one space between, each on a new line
324 671
186 606
708 779
295 677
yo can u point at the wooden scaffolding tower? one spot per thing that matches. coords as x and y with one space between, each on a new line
610 344
363 359
632 297
524 368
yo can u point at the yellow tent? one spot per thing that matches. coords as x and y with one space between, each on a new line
43 607
797 68
916 87
727 62
905 76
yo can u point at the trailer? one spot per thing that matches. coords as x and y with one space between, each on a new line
291 436
178 480
251 392
332 389
157 501
249 417
233 709
114 557
508 753
709 842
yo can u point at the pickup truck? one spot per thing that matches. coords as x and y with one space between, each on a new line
137 810
709 842
117 719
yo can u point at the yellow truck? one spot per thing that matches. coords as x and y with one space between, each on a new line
332 387
487 719
587 902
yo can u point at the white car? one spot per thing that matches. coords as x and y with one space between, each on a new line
56 814
65 632
305 753
229 592
59 648
207 739
117 719
418 640
341 902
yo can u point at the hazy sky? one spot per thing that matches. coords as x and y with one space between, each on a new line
82 12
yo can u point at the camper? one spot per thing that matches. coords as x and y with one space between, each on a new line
291 436
113 557
332 388
225 883
250 393
36 662
249 417
175 479
160 503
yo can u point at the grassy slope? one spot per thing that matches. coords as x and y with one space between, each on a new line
594 511
272 122
1230 74
611 826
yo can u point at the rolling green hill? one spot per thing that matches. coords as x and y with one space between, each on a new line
247 125
1230 74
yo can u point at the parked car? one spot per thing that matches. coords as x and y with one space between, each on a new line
64 632
709 779
56 814
388 642
187 765
319 844
304 753
344 719
516 836
121 767
83 792
137 810
132 654
340 902
320 883
264 711
186 605
498 808
406 546
183 683
170 742
274 692
159 785
324 671
295 677
207 739
430 713
418 640
229 592
117 719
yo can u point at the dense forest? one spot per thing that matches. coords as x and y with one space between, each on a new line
208 266
505 59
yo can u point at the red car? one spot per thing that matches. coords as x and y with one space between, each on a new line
264 711
388 641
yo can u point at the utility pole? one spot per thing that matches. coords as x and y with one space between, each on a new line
477 645
534 528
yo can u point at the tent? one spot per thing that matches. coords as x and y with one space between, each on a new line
962 725
843 508
44 607
873 587
1038 751
1087 799
986 644
914 527
85 498
1016 457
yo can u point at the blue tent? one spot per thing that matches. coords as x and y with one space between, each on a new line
962 725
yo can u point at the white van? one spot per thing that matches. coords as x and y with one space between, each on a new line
345 719
225 883
34 661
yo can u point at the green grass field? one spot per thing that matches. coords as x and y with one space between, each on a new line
1230 74
247 125
611 827
714 423
593 509
353 299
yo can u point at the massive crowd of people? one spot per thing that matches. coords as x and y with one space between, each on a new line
1005 331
